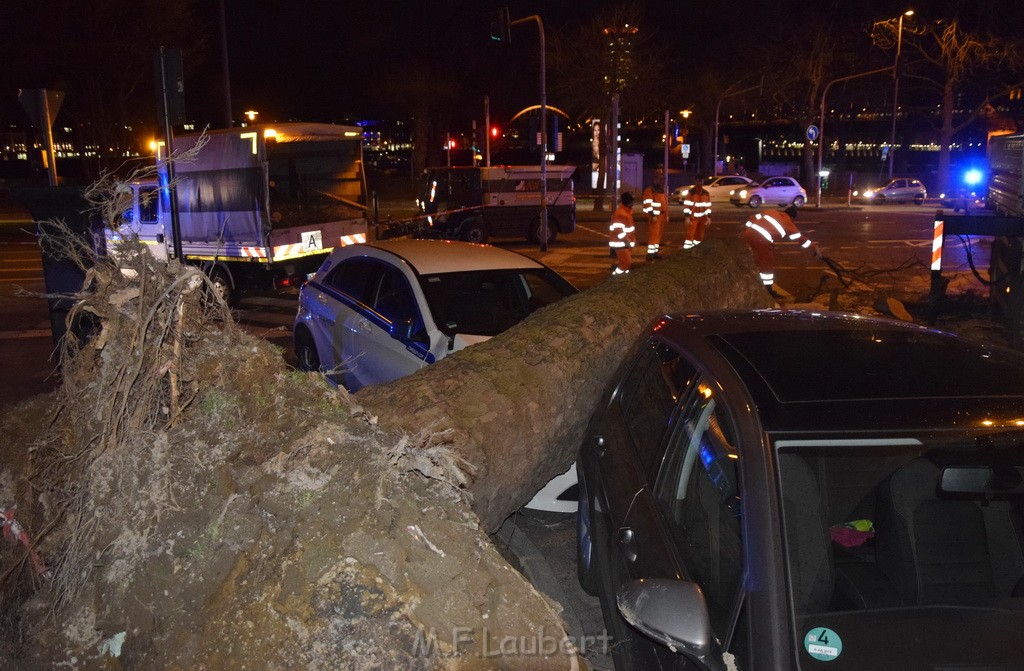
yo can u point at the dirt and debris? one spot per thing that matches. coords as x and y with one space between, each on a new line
198 505
201 506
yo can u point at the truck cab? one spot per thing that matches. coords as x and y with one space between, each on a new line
478 203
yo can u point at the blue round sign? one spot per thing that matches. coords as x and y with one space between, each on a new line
813 132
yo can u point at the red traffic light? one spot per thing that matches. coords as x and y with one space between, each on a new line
494 131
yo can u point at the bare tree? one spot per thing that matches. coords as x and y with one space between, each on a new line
614 53
956 65
797 74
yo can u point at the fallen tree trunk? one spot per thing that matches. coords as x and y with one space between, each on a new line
198 506
514 407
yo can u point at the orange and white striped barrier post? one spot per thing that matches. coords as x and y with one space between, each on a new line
937 291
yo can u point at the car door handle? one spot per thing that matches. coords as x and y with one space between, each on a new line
626 540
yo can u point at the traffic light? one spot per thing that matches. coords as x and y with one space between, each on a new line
501 30
495 132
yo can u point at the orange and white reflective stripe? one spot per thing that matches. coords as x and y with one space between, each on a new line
253 252
760 230
620 231
648 205
937 238
701 208
775 224
356 239
285 251
653 248
767 279
298 249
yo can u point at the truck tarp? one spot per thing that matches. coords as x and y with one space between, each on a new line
222 194
242 185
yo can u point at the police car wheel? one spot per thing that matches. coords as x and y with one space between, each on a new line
305 351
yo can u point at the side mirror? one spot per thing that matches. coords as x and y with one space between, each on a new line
673 613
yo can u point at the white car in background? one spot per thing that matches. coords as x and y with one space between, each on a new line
772 191
720 188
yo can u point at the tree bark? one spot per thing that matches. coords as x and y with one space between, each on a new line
517 405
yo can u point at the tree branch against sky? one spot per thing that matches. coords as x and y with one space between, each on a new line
958 68
799 70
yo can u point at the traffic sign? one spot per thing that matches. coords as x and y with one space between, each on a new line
41 105
685 148
813 132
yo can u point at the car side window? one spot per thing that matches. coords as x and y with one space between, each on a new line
394 298
648 396
699 494
357 278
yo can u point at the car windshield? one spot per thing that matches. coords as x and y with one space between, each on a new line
904 547
487 302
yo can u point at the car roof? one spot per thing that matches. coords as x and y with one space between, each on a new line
842 372
429 257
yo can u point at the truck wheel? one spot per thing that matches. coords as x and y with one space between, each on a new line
474 231
305 350
534 235
222 287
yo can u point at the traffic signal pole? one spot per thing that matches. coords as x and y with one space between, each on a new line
503 34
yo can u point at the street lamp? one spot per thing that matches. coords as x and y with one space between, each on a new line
821 119
896 88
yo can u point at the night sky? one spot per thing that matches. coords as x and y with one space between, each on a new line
319 60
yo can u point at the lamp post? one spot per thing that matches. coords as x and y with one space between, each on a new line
821 118
503 34
896 88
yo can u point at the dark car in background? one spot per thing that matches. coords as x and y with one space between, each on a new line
800 490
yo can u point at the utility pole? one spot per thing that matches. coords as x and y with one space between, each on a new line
664 166
821 117
501 32
487 131
896 88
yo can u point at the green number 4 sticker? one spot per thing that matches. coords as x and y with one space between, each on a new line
823 644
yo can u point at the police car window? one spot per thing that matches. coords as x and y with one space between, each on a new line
649 395
357 278
395 300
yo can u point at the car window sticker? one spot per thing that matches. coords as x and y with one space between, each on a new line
823 644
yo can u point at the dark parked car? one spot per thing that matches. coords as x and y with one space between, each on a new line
796 490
